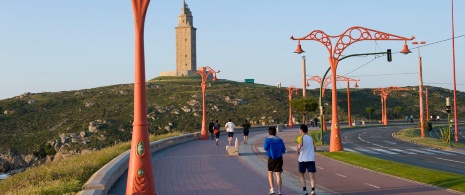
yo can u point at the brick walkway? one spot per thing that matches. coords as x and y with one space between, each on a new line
202 167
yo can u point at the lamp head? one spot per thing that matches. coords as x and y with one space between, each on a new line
299 50
405 50
214 78
356 86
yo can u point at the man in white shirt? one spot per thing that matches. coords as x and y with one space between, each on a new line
230 130
306 150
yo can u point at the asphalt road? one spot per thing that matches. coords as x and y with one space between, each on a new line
379 142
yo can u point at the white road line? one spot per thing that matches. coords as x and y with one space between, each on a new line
367 151
403 151
261 149
350 150
450 160
372 185
340 175
293 148
385 151
378 145
390 142
319 167
439 151
420 151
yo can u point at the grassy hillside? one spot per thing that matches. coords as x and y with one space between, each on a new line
31 121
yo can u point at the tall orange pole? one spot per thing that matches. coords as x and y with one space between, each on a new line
343 41
456 120
291 89
205 72
140 174
385 117
384 92
348 104
420 89
427 105
304 79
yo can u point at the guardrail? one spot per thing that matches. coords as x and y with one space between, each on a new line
102 180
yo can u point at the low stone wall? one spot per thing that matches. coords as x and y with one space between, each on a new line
102 180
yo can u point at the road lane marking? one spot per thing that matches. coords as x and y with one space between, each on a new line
340 175
403 151
420 151
438 151
261 149
367 151
372 185
319 167
293 148
350 150
385 151
450 160
390 142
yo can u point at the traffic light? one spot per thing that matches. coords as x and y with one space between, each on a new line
448 109
389 55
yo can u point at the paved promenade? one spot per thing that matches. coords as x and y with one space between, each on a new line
202 167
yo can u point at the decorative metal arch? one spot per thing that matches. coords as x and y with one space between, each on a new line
348 37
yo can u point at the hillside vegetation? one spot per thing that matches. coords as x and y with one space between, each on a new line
45 123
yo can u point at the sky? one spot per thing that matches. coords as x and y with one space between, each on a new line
50 46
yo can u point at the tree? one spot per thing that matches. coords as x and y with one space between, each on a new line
398 109
304 105
369 110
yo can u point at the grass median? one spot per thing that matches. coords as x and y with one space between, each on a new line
428 176
66 176
422 175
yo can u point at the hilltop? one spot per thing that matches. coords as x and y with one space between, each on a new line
68 122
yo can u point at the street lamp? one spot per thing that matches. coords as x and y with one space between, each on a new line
343 78
291 89
323 84
384 92
140 174
348 37
420 88
427 105
205 72
304 80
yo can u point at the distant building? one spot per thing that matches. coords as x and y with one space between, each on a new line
186 55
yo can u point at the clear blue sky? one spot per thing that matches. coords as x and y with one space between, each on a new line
49 46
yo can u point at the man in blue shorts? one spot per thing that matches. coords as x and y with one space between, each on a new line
306 150
275 148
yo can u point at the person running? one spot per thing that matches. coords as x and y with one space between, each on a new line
275 148
306 150
210 128
246 127
216 131
229 126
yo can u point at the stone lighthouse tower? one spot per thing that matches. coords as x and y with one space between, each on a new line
186 55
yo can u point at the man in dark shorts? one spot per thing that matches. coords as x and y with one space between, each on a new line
210 128
275 149
306 150
246 127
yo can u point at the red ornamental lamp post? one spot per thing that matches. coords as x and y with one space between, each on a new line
343 78
323 85
205 72
140 174
348 37
420 89
384 92
291 89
